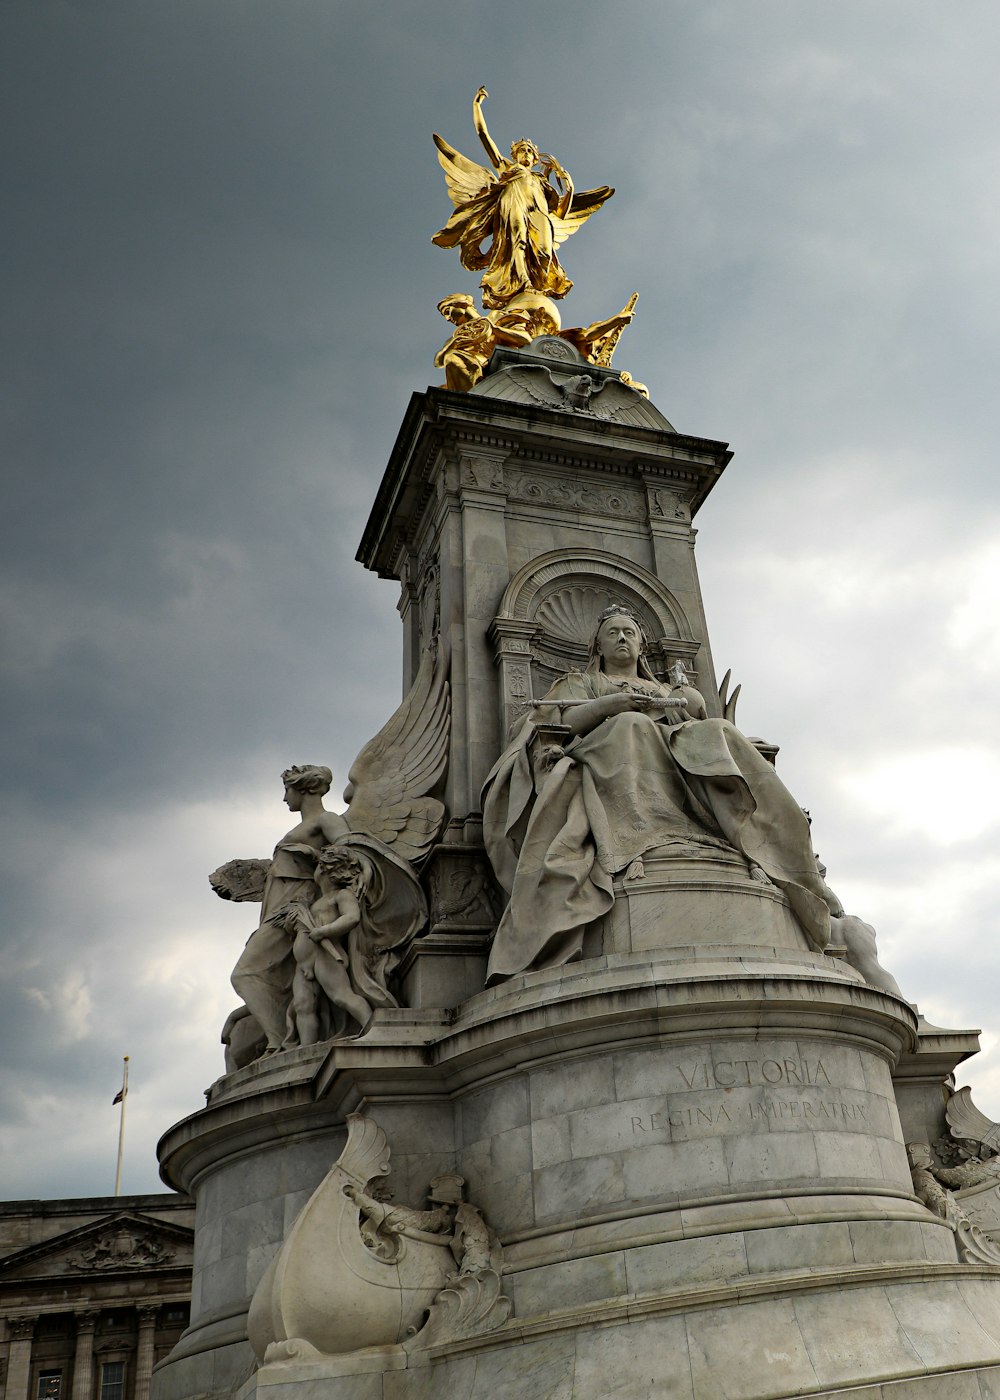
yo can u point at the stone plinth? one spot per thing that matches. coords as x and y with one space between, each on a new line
708 896
693 1159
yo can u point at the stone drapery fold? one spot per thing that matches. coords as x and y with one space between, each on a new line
630 786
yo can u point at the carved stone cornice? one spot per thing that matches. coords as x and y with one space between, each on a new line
441 428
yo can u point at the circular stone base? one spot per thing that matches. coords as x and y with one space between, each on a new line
692 1158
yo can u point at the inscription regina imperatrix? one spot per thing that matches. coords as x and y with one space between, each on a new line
769 1074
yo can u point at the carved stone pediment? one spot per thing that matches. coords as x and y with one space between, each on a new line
125 1242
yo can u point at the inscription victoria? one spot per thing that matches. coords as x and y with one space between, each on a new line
744 1074
749 1074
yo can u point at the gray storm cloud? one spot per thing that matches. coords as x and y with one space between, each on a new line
221 293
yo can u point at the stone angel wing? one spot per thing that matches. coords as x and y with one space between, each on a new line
465 179
392 775
583 204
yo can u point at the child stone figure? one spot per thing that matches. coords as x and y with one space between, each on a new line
320 932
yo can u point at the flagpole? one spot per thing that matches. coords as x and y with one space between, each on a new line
121 1097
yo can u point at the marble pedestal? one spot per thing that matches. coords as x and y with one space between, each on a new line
700 894
692 1156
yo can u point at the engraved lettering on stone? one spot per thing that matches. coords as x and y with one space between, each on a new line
820 1111
744 1074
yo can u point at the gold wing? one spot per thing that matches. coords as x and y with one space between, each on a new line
465 179
584 204
392 775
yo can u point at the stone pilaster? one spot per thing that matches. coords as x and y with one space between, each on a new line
482 576
512 646
144 1354
19 1359
83 1357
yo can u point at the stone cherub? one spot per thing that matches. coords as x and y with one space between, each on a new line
390 823
326 945
511 222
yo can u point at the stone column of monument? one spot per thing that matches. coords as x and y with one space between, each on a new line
145 1350
653 1144
83 1356
22 1330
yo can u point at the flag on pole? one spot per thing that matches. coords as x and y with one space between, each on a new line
119 1098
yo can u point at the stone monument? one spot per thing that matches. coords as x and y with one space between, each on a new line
560 1069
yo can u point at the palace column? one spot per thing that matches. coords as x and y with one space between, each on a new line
144 1354
83 1357
22 1330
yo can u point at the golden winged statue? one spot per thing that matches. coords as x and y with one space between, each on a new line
512 222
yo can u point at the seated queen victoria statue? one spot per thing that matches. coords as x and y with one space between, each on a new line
636 776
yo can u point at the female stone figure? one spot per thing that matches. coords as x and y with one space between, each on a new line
511 223
390 825
634 776
263 976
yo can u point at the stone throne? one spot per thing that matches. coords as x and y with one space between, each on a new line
688 1142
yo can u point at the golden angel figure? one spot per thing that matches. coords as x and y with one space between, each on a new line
512 222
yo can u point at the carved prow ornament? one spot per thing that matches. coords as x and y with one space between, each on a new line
345 1280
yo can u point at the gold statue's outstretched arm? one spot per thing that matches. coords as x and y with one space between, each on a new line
479 122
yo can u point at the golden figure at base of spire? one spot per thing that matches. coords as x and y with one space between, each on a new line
511 224
477 334
465 356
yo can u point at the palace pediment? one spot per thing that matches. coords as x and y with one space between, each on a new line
122 1242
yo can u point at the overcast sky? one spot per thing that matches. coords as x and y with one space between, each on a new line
220 293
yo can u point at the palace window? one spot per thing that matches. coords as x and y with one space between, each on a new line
49 1385
113 1380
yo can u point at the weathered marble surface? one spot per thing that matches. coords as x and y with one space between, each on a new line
652 1135
709 1353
